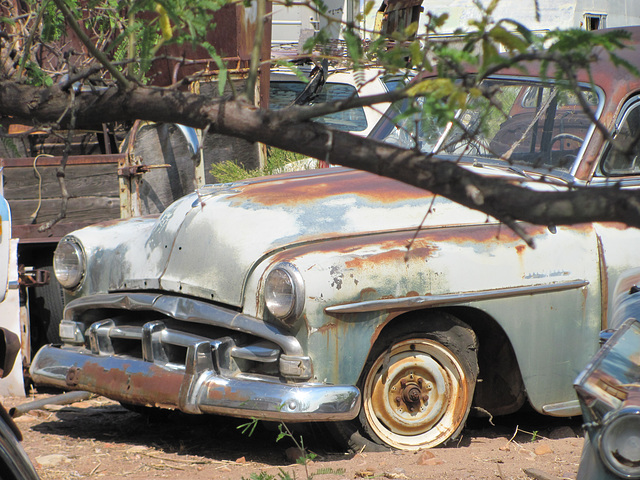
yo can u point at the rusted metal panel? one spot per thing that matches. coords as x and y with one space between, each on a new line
233 37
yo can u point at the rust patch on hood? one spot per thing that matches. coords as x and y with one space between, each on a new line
295 189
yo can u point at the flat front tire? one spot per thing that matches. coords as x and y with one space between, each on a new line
415 395
417 386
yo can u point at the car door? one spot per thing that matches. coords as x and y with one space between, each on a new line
618 243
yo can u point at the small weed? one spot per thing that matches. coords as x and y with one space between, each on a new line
330 471
282 475
306 456
284 432
260 476
534 436
248 427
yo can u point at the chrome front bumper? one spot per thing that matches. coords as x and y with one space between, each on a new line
195 388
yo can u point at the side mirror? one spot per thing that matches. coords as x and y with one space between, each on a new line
9 349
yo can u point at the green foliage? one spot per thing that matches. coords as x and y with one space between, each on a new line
575 47
229 171
285 432
320 38
132 32
222 68
330 471
36 76
320 5
283 475
54 25
8 143
262 475
354 46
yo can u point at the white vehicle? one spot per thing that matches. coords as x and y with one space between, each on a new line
339 85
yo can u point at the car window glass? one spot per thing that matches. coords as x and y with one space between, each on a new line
617 162
282 94
536 125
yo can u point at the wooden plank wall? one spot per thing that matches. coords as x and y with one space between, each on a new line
94 191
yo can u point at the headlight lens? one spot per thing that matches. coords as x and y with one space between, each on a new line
69 263
284 293
620 443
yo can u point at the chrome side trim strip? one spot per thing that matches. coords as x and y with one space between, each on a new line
187 310
423 301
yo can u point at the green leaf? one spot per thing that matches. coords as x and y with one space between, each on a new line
320 5
509 40
354 45
411 29
291 66
416 53
222 67
369 6
249 426
438 21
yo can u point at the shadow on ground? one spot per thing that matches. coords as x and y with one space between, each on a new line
220 438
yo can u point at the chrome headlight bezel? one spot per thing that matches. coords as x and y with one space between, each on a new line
69 263
612 434
284 293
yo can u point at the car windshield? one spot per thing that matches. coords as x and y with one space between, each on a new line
283 93
534 125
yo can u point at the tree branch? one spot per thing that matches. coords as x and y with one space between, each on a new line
254 66
505 200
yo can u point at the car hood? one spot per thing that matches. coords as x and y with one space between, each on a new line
208 243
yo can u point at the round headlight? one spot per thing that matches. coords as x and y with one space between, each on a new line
68 263
620 443
284 292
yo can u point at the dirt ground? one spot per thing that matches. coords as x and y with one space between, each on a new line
98 438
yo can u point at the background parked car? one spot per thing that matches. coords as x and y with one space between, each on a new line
609 393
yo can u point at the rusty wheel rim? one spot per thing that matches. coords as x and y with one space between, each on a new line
415 395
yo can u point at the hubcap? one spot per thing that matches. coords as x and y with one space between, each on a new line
415 395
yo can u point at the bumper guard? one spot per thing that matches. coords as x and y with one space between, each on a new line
193 388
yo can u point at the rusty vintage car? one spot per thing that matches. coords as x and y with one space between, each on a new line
330 296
